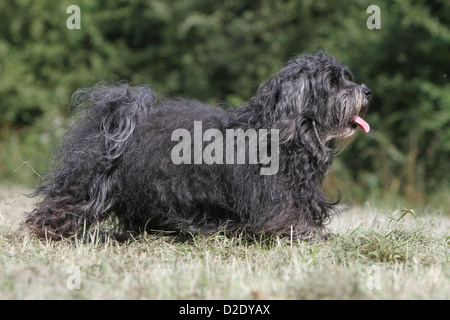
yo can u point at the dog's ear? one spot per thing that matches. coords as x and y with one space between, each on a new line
267 95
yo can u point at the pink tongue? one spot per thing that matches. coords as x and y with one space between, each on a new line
364 125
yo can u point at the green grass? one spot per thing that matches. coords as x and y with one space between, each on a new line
377 255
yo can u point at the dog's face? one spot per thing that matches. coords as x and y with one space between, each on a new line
346 104
319 89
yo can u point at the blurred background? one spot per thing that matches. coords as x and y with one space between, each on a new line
220 51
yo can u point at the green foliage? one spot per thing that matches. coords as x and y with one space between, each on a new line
219 51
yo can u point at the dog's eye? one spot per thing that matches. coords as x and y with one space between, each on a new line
334 82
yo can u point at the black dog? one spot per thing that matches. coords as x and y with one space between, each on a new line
128 159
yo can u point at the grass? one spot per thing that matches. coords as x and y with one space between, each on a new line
378 254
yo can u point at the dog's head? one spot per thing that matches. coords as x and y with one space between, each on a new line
317 91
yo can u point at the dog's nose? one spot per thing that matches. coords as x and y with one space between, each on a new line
367 92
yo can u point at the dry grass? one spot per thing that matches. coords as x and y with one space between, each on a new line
377 255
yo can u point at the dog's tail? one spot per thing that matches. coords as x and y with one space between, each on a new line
77 192
111 113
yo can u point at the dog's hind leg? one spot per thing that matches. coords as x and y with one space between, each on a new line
82 188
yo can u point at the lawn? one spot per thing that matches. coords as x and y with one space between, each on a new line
377 254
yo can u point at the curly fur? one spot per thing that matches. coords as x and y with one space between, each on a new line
115 160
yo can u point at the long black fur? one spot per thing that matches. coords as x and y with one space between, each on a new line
115 162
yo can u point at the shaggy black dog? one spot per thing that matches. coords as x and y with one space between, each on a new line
128 159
